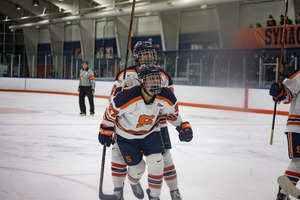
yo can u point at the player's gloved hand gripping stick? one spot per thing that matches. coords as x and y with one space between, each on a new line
105 135
278 91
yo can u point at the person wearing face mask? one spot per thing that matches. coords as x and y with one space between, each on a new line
293 61
271 21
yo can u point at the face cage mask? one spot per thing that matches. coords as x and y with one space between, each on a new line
147 56
154 87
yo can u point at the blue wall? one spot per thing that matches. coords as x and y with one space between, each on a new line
44 49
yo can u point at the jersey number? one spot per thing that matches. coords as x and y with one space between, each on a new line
145 120
298 149
128 159
112 111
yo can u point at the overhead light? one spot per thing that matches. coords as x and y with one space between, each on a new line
203 6
18 7
35 3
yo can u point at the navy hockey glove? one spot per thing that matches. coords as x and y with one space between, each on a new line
105 135
185 132
278 91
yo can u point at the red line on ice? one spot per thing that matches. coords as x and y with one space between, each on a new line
53 175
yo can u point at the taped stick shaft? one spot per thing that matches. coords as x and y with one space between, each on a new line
128 43
273 123
279 69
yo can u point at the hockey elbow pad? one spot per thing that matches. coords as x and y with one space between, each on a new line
185 132
105 135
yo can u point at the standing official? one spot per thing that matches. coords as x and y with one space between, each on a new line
86 88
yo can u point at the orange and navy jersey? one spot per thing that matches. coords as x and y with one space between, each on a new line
135 119
293 88
131 79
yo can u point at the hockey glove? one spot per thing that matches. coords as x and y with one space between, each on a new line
278 91
185 132
105 135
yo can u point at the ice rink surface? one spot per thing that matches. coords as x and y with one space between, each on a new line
49 152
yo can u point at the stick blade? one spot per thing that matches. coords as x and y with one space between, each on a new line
285 183
107 196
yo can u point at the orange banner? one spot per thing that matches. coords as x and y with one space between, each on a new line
266 37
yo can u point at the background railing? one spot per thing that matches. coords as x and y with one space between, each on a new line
226 68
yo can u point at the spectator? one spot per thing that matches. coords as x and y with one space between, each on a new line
288 21
293 60
170 66
152 42
258 25
271 21
253 73
286 72
53 74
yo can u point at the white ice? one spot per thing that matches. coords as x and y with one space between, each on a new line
49 152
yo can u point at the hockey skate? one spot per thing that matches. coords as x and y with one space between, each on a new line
175 195
119 193
137 190
281 196
150 197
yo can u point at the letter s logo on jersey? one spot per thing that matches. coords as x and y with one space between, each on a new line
145 120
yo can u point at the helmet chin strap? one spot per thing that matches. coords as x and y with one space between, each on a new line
142 85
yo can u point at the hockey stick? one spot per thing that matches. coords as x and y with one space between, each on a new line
279 69
128 43
285 183
103 196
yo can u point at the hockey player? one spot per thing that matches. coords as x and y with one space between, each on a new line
288 93
134 115
144 52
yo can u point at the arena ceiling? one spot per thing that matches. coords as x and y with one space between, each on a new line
25 13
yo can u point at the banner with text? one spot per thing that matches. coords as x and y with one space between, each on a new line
266 37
